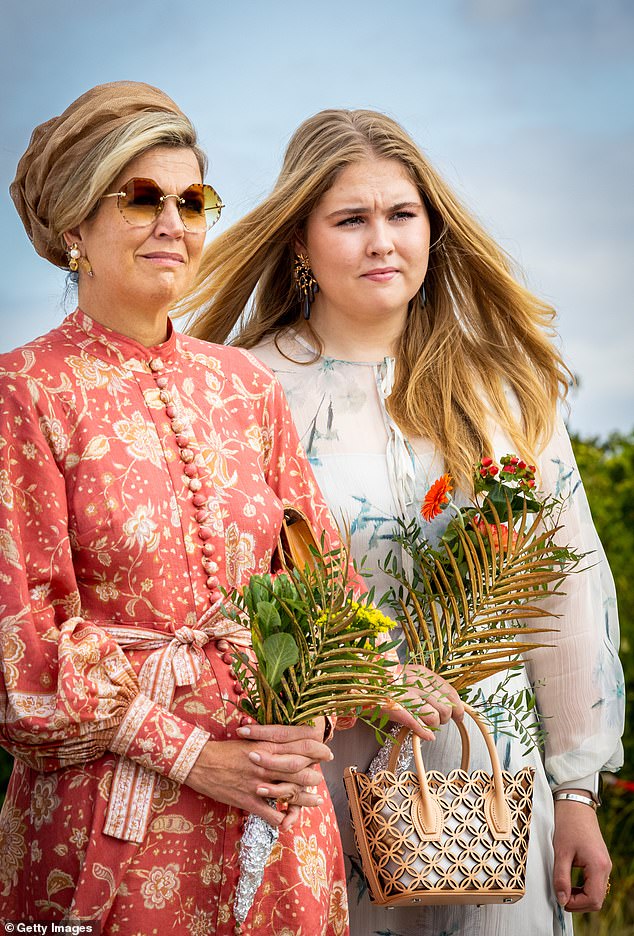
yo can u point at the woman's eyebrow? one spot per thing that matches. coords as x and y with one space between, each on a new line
365 210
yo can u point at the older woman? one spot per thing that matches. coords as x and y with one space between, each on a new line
407 348
142 471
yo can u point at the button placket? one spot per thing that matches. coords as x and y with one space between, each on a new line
183 436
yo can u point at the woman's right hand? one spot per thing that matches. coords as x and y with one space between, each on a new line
436 702
269 762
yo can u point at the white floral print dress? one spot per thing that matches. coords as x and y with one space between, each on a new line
370 475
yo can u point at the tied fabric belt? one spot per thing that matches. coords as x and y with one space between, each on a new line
176 660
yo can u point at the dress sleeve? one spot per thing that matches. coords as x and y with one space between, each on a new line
68 693
579 681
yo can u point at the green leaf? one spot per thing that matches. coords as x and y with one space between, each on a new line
279 653
268 618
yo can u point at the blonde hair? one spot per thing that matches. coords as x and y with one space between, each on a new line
480 335
78 198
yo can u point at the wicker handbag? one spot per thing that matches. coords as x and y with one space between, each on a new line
428 838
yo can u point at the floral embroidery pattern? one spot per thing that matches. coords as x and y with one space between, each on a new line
93 489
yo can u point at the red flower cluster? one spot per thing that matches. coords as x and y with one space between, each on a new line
512 468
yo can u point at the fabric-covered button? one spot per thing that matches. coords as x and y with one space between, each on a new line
238 688
201 515
156 364
170 410
205 533
199 500
178 425
187 455
191 471
212 581
195 484
209 549
182 440
227 658
165 396
162 382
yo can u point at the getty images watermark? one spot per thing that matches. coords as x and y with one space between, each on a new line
50 927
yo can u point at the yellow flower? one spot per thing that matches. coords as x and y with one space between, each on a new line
373 619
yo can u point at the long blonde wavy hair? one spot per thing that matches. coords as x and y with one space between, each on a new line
480 335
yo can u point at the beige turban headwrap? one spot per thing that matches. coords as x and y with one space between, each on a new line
58 147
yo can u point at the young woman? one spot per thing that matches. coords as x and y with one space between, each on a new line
407 348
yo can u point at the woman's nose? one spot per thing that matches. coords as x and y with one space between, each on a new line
169 221
380 241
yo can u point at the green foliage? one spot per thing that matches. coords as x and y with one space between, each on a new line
510 711
607 469
464 605
314 646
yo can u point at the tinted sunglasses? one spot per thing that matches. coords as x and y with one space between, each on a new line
141 201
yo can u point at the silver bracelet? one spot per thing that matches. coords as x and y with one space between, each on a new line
576 798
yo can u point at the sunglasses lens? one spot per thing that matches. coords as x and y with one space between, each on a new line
140 201
200 207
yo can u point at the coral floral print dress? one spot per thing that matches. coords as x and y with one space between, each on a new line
134 483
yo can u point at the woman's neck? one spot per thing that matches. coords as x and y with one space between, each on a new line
357 337
147 329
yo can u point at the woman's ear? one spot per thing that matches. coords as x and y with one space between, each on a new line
298 243
72 237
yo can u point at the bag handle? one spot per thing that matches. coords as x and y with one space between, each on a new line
497 810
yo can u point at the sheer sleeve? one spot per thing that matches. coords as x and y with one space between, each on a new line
579 681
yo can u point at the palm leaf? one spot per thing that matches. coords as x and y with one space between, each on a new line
337 669
464 606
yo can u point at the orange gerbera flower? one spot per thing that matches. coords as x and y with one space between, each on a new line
436 496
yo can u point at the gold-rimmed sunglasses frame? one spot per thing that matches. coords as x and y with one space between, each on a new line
162 199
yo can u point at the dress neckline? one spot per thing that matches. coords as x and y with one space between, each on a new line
328 357
108 344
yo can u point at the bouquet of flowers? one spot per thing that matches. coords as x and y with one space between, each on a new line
465 607
314 652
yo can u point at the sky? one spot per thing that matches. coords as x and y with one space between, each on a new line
523 105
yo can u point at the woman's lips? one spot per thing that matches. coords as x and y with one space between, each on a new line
381 274
163 258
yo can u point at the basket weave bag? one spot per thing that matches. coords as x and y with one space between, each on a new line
430 838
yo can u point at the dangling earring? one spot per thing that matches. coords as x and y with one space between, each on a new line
73 253
305 283
86 266
76 261
423 294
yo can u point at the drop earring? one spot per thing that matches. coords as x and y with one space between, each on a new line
305 283
73 253
422 292
76 261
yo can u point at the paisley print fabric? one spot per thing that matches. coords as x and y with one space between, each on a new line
135 483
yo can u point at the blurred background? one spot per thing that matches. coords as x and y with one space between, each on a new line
524 105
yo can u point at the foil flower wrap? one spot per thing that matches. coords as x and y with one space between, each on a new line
381 760
256 845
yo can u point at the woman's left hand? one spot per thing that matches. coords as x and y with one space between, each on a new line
578 843
293 747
